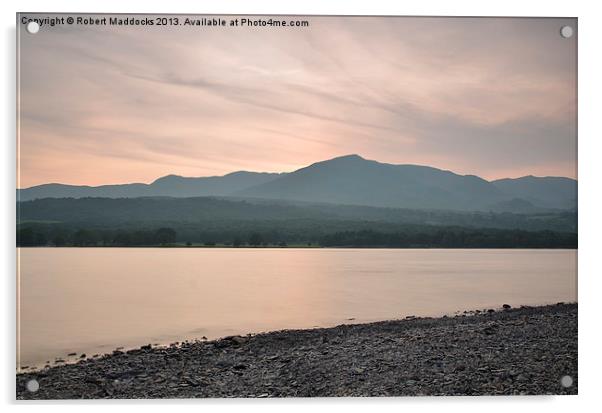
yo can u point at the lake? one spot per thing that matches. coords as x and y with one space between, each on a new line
93 300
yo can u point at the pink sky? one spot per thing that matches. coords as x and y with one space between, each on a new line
491 97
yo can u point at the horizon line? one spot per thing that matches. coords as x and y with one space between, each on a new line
293 171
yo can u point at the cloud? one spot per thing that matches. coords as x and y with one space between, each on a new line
493 97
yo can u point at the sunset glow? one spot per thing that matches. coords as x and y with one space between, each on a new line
490 97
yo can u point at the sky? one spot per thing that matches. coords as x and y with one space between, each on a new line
494 97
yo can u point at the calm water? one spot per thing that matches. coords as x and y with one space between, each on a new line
93 299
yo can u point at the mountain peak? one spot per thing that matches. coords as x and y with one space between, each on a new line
348 157
165 178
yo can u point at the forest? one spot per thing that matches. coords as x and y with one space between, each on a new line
210 221
107 212
410 237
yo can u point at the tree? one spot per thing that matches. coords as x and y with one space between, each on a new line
84 237
25 237
165 236
59 240
255 239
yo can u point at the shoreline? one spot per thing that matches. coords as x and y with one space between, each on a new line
513 351
74 356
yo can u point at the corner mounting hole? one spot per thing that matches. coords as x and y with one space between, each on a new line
33 385
566 31
33 27
566 381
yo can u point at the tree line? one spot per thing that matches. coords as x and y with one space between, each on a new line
452 238
230 213
29 235
32 236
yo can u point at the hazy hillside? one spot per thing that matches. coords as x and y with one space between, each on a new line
178 186
350 180
81 191
170 185
550 192
211 221
208 210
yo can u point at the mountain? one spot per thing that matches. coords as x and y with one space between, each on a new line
350 180
82 191
354 180
178 186
547 192
170 185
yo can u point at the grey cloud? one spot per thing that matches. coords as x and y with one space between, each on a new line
478 96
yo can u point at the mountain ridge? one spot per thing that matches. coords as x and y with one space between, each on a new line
349 179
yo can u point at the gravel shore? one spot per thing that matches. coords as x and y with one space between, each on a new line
504 352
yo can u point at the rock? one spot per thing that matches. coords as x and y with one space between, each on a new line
223 364
230 340
491 310
83 356
192 382
237 339
146 347
506 306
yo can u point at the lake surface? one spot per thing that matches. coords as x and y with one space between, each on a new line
93 300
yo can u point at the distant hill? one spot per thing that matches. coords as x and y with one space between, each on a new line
350 180
227 213
516 205
547 192
170 185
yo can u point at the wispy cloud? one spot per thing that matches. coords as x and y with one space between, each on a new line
493 97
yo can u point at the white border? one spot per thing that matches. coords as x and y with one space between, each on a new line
590 230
